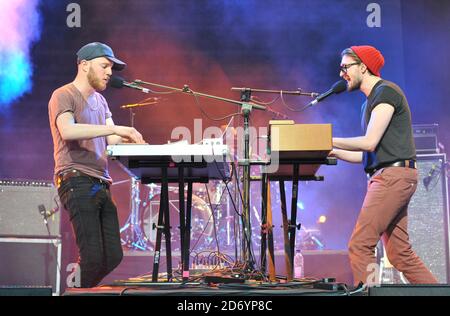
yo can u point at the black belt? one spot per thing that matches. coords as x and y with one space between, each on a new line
75 173
402 163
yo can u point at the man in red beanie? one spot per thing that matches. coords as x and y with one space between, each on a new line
388 153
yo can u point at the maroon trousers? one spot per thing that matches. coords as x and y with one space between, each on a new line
384 214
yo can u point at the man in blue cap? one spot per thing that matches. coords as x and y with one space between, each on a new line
82 126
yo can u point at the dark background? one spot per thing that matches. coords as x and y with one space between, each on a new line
215 45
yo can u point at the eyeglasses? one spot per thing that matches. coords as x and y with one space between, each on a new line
344 68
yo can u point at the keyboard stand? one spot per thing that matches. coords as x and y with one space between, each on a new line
289 225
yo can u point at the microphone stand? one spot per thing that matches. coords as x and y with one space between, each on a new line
187 90
246 108
132 116
246 97
133 236
298 92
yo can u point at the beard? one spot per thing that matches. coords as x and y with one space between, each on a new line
354 84
95 82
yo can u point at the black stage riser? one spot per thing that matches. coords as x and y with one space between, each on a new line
410 290
25 291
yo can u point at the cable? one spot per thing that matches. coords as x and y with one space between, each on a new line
128 289
228 125
235 208
359 289
213 215
290 108
163 92
226 181
436 179
344 286
237 181
197 103
43 212
253 99
209 220
215 232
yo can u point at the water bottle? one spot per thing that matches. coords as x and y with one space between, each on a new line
299 271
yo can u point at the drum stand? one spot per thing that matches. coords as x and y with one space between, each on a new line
134 237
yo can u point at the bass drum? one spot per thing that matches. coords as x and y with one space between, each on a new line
202 233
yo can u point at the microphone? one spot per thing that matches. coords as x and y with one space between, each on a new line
46 214
429 176
337 88
151 101
119 82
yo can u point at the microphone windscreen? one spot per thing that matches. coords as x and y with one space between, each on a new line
426 182
41 209
339 86
116 82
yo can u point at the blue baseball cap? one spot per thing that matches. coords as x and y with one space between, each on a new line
97 49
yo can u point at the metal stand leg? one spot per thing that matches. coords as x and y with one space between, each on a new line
293 222
246 220
287 249
187 234
181 211
267 229
183 227
163 227
167 234
272 274
134 237
264 230
159 230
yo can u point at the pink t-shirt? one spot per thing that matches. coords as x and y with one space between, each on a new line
87 156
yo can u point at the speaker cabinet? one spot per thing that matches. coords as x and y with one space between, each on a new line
21 205
30 262
426 138
428 217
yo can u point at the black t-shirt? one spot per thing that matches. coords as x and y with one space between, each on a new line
397 143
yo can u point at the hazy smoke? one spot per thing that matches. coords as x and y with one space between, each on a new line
20 25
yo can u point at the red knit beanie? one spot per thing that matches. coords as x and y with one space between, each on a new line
371 57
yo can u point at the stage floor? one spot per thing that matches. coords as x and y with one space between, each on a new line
179 289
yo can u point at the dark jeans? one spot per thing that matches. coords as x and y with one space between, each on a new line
94 220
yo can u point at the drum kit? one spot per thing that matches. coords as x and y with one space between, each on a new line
211 207
215 225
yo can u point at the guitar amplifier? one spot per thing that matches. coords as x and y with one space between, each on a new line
30 262
23 206
426 138
428 216
428 221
